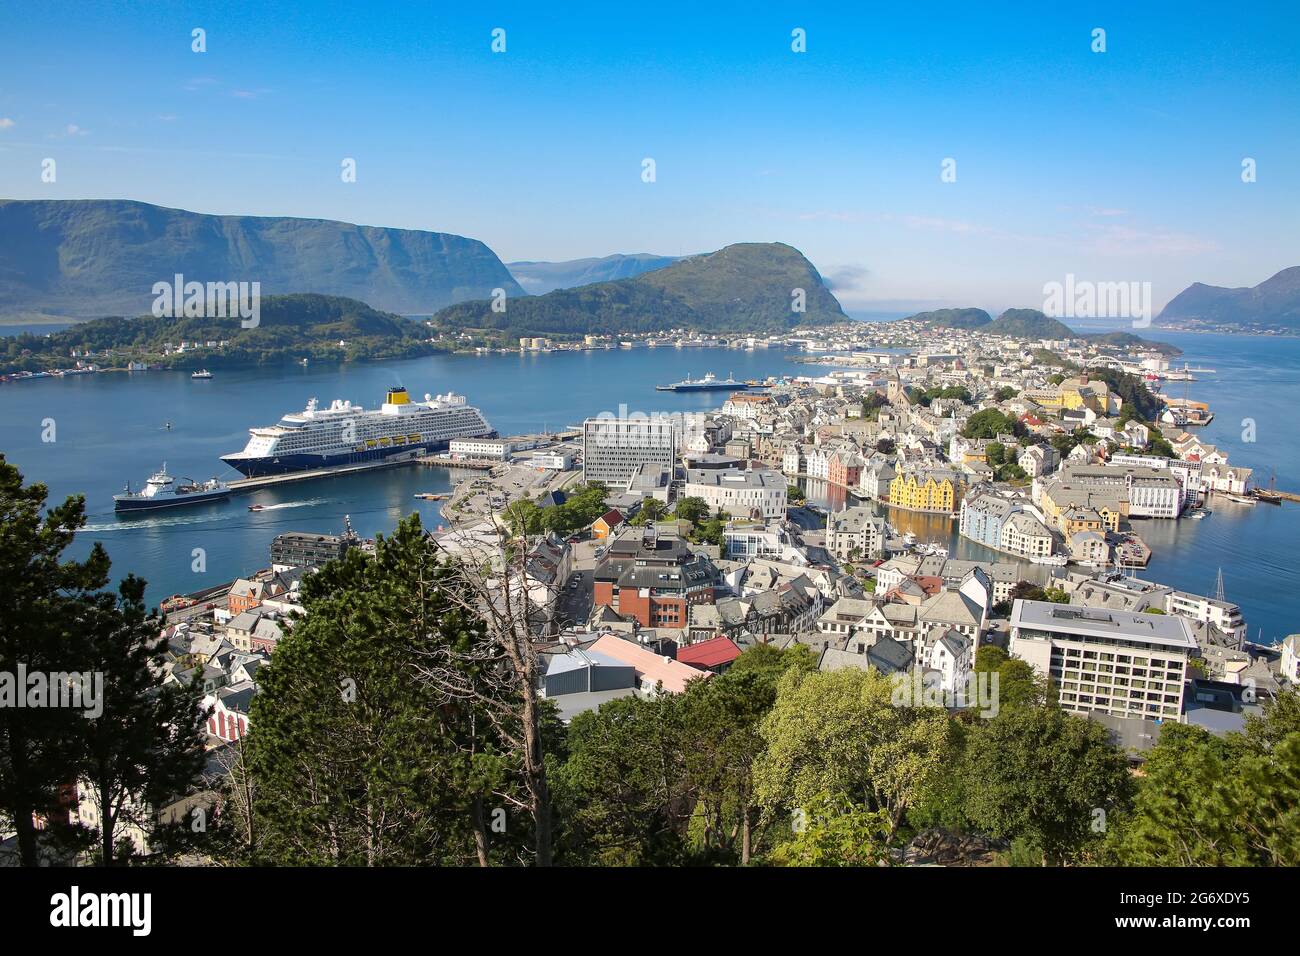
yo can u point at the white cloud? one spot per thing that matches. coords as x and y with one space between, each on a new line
6 123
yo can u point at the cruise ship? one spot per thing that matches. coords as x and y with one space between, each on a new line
347 434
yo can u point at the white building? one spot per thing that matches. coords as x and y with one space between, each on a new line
552 461
760 493
1290 663
498 449
858 532
1117 662
1224 615
613 448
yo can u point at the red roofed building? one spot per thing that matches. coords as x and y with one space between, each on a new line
606 523
652 670
714 655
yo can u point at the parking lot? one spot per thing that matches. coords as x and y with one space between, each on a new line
480 494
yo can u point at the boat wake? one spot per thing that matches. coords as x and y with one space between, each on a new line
294 504
134 523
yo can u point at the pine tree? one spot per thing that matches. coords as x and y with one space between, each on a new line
39 592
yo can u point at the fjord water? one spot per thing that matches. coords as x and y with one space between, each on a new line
111 428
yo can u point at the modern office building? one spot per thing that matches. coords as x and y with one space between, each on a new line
1118 662
614 448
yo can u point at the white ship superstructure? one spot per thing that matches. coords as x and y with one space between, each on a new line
347 434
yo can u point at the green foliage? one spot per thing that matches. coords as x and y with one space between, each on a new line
837 734
56 618
692 509
953 318
291 327
1131 390
989 658
928 396
1040 775
837 832
1207 801
989 423
872 404
581 508
1160 446
669 780
357 761
1005 393
1028 324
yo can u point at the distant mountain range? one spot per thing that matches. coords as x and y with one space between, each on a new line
1032 324
78 259
538 278
743 287
1272 305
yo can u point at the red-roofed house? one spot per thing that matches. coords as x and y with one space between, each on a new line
606 523
714 655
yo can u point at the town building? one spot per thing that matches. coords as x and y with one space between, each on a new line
613 448
1119 662
760 493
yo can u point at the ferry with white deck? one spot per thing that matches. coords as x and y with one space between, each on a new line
162 491
347 434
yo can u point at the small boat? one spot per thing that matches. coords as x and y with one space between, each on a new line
428 496
1240 499
1200 513
201 374
257 507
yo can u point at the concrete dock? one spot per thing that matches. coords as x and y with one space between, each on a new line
268 481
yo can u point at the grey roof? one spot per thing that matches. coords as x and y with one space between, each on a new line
1166 630
570 705
889 656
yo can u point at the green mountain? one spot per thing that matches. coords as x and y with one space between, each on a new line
290 327
77 259
953 318
745 287
1127 340
1029 324
1273 304
538 278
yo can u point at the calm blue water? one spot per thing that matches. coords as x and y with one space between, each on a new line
8 330
110 429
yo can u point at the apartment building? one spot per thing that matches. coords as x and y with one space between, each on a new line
856 532
1117 662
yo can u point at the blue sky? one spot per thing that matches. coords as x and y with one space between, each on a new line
1115 166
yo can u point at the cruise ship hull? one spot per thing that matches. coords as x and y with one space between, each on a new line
286 464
